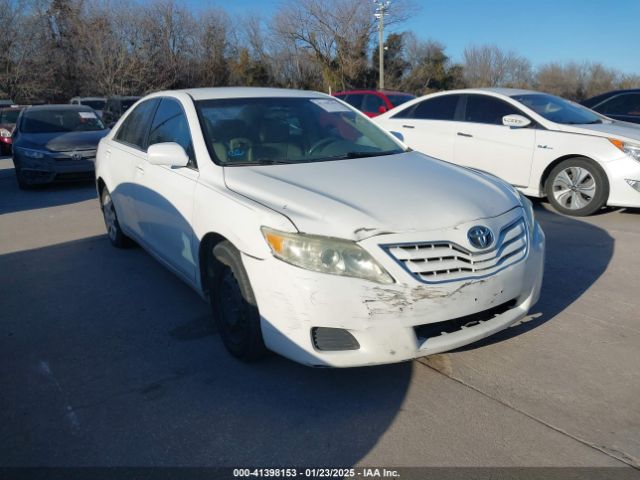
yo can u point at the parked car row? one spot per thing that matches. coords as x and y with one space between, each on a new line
317 234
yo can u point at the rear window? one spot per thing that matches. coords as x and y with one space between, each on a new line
399 99
9 116
95 104
438 108
60 120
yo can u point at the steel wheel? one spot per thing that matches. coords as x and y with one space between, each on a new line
574 188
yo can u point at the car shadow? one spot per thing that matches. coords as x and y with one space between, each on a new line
577 254
12 199
107 358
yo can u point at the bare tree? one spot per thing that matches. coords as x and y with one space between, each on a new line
489 66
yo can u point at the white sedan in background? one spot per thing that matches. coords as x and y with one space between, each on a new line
542 144
313 232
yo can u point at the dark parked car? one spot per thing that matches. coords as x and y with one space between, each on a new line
8 118
115 108
56 142
373 102
619 104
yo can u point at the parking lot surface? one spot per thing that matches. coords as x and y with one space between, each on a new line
107 359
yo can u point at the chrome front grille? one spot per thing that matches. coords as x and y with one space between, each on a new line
75 156
443 261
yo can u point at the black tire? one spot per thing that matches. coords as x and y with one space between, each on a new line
23 184
114 231
577 187
234 306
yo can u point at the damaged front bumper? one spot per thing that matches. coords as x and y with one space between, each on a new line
391 323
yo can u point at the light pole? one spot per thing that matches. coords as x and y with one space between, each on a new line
382 8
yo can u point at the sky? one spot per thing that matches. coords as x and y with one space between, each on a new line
604 31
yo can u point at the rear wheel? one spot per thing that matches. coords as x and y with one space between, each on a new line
234 305
115 233
577 187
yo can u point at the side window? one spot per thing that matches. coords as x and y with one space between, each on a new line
485 109
438 108
628 104
372 104
134 129
170 125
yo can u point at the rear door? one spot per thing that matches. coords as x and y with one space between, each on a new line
125 153
483 142
164 205
428 126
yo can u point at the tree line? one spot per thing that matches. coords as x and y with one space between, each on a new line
51 50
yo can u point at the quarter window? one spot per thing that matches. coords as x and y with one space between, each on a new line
135 127
485 109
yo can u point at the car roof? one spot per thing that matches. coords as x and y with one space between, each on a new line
123 97
243 92
65 106
384 92
88 98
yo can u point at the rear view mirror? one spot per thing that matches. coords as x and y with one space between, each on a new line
516 121
168 153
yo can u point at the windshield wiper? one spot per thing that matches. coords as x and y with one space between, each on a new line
259 162
356 154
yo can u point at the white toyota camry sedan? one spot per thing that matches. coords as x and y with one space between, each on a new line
544 145
314 233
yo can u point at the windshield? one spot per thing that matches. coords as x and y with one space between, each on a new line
247 131
399 99
557 109
95 104
60 120
9 116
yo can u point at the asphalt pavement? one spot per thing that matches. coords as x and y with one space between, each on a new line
108 359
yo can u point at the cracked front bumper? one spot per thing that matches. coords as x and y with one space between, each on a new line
385 319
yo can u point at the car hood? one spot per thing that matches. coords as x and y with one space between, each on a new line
63 141
359 198
613 129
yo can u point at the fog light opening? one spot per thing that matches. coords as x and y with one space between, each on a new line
333 339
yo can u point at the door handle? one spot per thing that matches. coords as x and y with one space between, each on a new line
140 169
461 134
408 126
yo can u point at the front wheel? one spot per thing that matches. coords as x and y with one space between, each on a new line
577 187
234 305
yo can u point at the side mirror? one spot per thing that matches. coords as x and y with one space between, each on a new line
398 135
168 153
516 121
382 109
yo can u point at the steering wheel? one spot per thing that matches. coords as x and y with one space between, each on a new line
320 144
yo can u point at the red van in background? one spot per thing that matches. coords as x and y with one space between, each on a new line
374 102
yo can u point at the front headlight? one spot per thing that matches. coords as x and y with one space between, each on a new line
527 206
4 133
27 152
631 149
326 255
